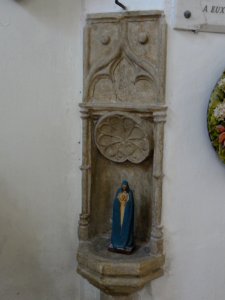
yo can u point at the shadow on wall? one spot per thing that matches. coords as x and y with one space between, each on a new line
22 275
54 13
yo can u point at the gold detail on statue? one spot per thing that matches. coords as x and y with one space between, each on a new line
123 198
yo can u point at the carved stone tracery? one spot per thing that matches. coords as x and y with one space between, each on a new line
121 137
128 68
125 81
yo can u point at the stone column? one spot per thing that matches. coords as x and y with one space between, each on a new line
86 175
156 243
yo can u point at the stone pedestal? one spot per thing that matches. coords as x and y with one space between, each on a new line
117 274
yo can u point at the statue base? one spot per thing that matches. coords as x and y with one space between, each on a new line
127 250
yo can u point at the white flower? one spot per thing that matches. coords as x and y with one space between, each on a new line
221 84
219 112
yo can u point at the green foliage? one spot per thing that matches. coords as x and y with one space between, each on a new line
217 97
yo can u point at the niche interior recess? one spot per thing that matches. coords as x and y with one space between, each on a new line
123 113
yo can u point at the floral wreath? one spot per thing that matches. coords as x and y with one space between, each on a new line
216 118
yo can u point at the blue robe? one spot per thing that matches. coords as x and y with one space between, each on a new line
123 236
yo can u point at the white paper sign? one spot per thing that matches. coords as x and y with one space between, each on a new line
200 15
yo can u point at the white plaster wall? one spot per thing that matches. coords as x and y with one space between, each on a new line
95 6
40 129
40 87
194 183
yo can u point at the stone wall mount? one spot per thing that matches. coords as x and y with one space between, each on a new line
123 115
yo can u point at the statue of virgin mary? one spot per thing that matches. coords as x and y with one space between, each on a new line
122 237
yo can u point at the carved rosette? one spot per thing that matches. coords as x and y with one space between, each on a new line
121 137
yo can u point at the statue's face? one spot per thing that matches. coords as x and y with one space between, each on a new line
124 187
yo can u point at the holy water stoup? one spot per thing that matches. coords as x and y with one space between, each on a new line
122 238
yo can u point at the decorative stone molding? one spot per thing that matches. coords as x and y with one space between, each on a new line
125 60
117 275
123 115
121 137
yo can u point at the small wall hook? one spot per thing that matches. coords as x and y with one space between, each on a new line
120 4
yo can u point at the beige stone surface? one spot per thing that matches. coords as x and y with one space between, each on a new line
124 58
117 274
123 114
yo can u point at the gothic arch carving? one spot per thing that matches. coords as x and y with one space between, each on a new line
140 80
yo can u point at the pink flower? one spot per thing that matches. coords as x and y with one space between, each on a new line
222 138
220 128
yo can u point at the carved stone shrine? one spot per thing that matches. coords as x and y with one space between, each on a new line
123 113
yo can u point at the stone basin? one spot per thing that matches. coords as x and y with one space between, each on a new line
117 274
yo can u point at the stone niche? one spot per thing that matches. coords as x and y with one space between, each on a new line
123 113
